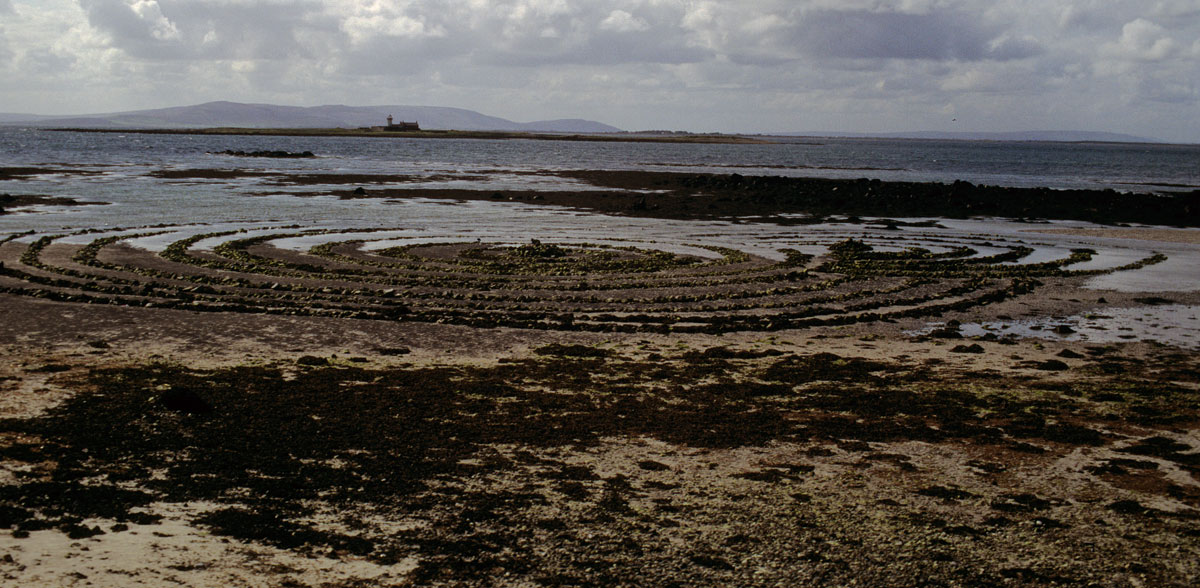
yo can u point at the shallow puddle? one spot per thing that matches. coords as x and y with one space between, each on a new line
1176 325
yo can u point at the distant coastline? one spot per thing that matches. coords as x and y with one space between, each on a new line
435 134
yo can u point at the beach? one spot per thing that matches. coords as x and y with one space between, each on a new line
527 377
262 449
605 294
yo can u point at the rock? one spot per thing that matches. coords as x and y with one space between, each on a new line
1021 503
82 532
946 334
1052 365
653 466
50 368
945 494
711 562
1154 301
1128 507
972 348
1068 354
267 153
185 401
571 350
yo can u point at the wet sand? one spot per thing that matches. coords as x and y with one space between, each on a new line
1190 237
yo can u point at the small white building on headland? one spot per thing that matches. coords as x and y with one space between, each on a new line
398 126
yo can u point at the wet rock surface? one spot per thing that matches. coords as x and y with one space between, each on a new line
8 202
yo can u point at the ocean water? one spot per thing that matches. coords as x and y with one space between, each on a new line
116 168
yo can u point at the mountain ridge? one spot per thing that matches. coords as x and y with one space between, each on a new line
236 114
223 113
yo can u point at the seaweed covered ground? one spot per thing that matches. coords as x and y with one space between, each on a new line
800 200
706 196
350 452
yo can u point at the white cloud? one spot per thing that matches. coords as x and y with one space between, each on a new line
159 26
623 22
1144 40
1171 9
361 28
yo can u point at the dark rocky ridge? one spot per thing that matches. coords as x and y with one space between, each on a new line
707 196
735 194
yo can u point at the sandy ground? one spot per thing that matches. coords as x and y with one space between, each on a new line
1078 465
822 510
1189 236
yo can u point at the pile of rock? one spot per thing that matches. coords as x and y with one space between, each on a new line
275 154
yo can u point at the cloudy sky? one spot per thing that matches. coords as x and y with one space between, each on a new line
1130 66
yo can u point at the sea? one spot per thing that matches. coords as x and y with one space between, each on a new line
122 171
114 167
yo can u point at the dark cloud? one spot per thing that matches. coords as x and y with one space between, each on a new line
46 60
118 19
860 34
391 37
594 34
399 56
1171 92
210 29
601 48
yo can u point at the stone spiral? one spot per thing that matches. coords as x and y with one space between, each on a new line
363 274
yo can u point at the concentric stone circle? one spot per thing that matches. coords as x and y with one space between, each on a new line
646 287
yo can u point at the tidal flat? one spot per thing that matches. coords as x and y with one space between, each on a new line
783 396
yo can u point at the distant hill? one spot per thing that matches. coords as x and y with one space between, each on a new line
1055 136
235 114
12 117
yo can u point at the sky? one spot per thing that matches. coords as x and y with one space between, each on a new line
1127 66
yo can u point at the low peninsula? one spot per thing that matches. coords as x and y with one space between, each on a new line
375 133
